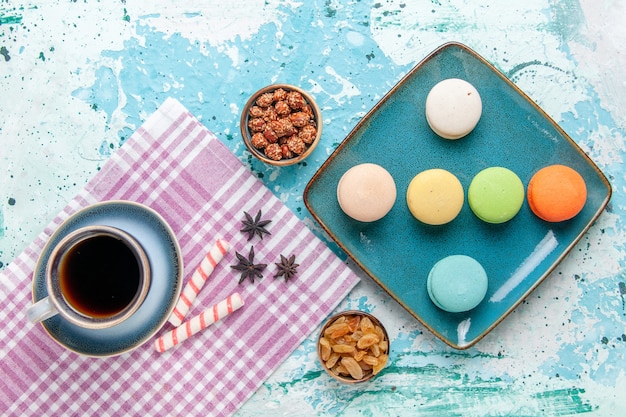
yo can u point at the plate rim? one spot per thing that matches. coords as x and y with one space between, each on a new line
179 272
365 119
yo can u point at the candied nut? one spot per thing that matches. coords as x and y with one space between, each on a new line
270 135
282 117
307 134
288 127
256 124
270 114
256 111
295 100
259 141
265 100
277 127
283 127
279 94
282 108
274 152
299 119
286 152
352 366
296 145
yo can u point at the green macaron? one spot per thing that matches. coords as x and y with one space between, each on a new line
496 195
457 283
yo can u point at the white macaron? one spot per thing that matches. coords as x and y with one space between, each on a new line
453 108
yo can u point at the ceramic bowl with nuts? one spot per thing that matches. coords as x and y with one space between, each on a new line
353 346
281 124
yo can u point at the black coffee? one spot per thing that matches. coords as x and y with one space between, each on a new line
99 277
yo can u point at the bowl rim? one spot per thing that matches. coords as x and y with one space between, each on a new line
246 135
331 319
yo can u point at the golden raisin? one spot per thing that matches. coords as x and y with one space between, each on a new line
343 348
357 346
382 361
352 366
324 349
367 326
368 340
332 359
337 330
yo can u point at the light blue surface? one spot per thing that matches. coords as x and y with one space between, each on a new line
163 251
78 78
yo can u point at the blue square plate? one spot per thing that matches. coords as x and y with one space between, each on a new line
398 251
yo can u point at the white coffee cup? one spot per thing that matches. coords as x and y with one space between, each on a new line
96 277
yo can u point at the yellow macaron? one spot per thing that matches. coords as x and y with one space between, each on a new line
435 196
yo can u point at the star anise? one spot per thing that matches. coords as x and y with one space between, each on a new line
287 267
247 266
255 225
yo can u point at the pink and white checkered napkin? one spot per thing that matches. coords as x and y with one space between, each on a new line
179 168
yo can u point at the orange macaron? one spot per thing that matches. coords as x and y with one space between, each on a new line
556 193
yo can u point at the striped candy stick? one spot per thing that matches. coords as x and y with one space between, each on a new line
198 323
197 280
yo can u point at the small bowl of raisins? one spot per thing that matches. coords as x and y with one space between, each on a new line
353 346
281 124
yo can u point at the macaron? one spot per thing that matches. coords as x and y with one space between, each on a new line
435 196
556 193
453 108
457 283
495 195
366 192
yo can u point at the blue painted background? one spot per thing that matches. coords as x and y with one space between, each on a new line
77 78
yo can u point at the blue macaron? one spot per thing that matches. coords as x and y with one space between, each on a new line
457 283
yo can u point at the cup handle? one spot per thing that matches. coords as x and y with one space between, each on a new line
41 310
